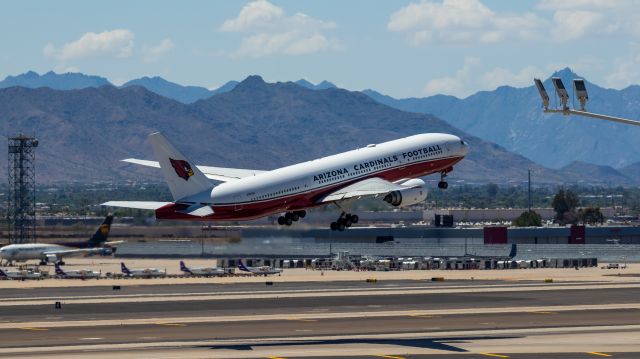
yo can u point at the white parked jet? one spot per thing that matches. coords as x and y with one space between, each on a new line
77 273
388 171
20 274
54 252
142 272
206 271
263 270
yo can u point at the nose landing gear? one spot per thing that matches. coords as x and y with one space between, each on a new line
443 184
345 220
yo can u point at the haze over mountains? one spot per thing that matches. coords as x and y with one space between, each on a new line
249 124
513 118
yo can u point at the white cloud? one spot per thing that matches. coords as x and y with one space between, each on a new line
253 15
576 19
626 71
269 31
472 78
113 43
461 21
154 53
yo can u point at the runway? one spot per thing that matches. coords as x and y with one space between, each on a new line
406 319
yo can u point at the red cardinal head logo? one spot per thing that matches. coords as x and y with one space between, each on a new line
182 168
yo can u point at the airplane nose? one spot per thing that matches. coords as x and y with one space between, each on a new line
464 147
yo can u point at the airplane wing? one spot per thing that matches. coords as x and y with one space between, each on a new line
371 187
221 174
136 204
71 252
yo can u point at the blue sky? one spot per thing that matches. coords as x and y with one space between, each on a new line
402 48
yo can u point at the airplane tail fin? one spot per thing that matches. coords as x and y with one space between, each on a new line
183 178
2 273
242 267
124 268
102 233
184 268
59 270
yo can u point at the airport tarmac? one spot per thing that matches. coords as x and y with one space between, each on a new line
108 264
346 318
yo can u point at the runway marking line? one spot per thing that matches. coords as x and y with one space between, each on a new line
302 320
172 324
34 329
390 356
543 312
424 316
600 354
495 355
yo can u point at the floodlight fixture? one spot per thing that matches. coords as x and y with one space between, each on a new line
580 91
543 93
561 91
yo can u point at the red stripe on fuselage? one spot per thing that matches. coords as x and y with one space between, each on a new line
299 201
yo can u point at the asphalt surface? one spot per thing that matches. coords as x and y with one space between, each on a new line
298 305
274 329
287 331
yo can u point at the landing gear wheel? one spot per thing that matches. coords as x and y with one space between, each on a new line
302 214
341 227
354 218
347 221
334 226
61 263
281 221
288 221
295 216
443 185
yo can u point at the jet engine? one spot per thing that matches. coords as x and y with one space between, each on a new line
415 192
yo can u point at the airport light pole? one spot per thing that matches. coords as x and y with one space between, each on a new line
529 202
580 91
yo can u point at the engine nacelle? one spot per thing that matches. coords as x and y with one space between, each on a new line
415 192
107 251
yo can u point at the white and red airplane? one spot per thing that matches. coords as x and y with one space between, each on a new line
388 170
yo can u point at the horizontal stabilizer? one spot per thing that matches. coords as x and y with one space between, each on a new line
221 174
136 204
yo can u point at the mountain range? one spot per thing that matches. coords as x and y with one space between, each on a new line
84 133
156 84
513 118
246 116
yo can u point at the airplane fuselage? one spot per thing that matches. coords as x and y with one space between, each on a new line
28 251
303 185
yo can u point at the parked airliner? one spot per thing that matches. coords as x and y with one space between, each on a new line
205 271
77 273
54 252
263 270
388 171
20 274
142 272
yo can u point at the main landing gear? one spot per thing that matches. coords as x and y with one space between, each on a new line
291 217
344 221
443 184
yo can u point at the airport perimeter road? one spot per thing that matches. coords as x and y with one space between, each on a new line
387 319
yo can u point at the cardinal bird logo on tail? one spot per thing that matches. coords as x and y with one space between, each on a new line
182 168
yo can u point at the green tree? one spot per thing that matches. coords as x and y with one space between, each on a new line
564 204
528 219
591 215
